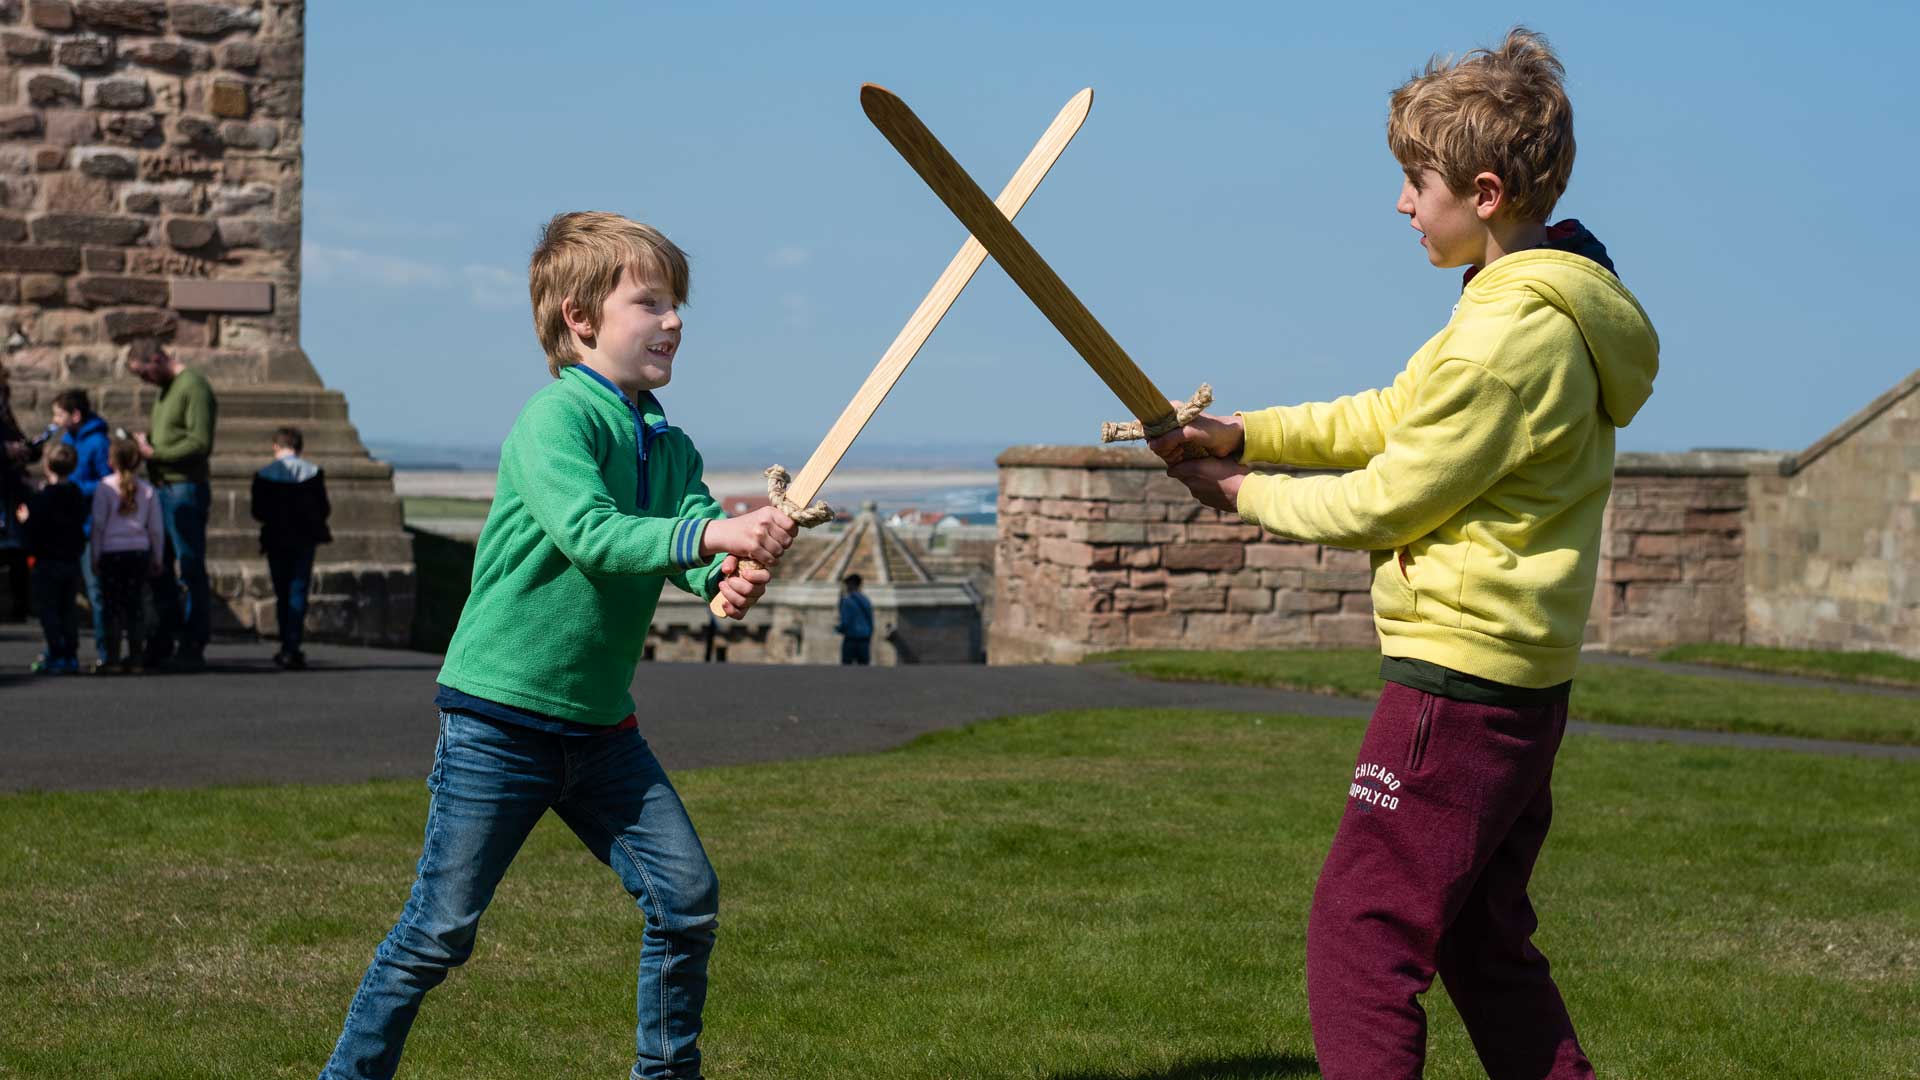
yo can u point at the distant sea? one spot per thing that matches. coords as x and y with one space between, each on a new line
957 480
967 492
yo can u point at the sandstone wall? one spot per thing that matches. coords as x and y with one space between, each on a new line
1836 537
150 185
1673 545
793 624
1099 549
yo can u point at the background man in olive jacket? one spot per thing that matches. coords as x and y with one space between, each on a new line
177 452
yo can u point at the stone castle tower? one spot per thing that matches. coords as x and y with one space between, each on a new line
150 184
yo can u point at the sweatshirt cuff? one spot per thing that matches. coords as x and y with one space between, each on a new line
1256 491
1265 438
685 546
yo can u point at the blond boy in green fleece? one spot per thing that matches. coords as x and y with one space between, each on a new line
599 504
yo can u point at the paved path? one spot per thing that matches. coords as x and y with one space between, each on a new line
366 713
359 714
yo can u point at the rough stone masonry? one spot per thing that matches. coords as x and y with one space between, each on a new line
1099 549
150 185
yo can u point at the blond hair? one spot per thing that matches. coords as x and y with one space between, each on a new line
1503 111
580 256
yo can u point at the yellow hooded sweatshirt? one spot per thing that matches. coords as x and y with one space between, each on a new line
1481 474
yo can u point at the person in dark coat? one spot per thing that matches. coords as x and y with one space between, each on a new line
16 451
855 625
290 502
55 521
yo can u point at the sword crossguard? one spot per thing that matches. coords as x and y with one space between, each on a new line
1174 420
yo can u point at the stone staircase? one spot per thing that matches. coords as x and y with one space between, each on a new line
363 587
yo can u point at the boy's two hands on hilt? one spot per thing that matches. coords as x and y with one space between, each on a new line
1205 436
1201 454
1215 482
761 537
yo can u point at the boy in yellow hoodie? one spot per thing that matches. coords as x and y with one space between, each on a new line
1477 480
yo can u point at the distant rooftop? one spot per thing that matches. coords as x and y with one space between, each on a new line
869 548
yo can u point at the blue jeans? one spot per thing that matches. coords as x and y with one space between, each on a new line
292 569
491 782
94 602
183 513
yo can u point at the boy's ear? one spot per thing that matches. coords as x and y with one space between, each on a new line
577 321
1489 195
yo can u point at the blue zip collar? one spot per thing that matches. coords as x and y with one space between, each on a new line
643 432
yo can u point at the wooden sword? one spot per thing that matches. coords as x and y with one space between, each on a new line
1017 257
813 475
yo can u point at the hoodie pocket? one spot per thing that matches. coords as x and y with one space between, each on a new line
1402 558
1406 566
1392 592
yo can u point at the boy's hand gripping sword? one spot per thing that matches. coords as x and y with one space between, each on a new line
792 495
1023 264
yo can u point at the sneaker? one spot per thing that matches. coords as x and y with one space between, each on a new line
43 666
296 661
69 665
131 666
280 660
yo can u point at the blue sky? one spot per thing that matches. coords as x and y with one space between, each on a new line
1227 210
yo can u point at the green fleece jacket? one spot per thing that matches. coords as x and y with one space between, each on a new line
182 430
571 559
1480 476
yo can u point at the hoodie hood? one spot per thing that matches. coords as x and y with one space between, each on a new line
1578 279
292 470
1574 238
1569 236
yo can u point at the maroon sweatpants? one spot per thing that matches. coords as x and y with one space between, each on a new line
1448 807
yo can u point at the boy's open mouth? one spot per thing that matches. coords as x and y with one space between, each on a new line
663 350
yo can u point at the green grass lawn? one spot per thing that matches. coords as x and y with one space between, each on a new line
1867 667
437 506
1601 693
1092 896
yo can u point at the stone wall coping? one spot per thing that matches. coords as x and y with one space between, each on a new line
1793 463
824 596
678 608
1698 463
1136 456
1687 463
884 597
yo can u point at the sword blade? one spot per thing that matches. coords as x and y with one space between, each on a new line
938 301
946 289
1015 255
